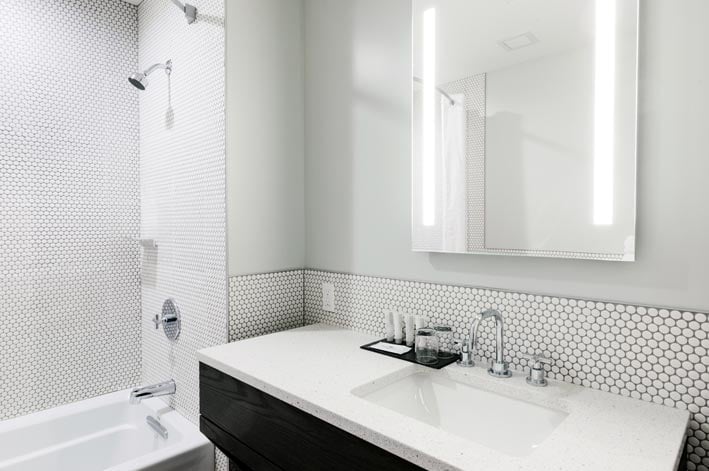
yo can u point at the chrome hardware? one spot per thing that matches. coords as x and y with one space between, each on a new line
148 243
140 79
156 426
154 390
536 369
170 319
499 367
190 11
466 355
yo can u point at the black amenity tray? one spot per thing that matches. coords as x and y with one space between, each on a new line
410 356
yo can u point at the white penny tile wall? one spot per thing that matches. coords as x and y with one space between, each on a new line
652 354
183 190
265 303
69 203
182 146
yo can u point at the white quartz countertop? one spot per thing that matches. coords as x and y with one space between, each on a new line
316 368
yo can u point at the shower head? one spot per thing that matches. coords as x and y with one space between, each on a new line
140 79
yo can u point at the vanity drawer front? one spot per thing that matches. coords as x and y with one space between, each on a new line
241 456
288 437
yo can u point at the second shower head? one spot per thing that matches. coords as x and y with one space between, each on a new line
140 79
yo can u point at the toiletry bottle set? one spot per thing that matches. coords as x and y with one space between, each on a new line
402 327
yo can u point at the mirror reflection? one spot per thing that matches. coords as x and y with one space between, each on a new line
524 127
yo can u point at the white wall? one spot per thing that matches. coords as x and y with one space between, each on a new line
358 161
265 149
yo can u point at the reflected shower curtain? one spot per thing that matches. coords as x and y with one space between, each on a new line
453 204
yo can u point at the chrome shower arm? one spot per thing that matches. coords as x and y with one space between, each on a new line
438 89
140 79
167 66
190 10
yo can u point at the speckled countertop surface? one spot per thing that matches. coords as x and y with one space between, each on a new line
316 368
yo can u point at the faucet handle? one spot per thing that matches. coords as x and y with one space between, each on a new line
466 355
537 359
536 369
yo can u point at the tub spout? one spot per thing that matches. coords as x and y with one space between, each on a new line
154 390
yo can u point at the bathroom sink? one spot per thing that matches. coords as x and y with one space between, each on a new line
508 425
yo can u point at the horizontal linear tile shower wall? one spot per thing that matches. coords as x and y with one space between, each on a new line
183 190
69 203
265 303
653 354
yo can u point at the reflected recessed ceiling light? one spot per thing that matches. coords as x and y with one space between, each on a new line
518 42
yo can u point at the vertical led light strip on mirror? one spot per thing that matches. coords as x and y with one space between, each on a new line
604 110
428 168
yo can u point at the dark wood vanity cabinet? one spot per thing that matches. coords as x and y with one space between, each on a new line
259 432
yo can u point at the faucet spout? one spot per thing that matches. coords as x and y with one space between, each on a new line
499 368
154 390
499 333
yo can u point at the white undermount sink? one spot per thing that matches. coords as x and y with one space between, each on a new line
508 425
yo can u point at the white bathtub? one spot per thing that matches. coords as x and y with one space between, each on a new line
104 433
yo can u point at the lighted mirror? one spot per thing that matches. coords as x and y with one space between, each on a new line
524 127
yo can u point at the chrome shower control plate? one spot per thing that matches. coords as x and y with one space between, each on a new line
170 319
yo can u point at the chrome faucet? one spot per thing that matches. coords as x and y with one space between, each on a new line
499 368
154 390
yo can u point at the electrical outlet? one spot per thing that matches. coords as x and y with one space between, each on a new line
328 297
